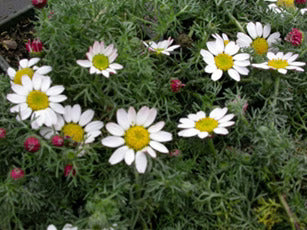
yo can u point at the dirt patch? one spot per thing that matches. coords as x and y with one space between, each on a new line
13 41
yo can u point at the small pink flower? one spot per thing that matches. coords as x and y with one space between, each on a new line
32 144
175 153
39 3
176 85
295 37
300 1
35 47
57 141
2 133
17 173
69 169
51 13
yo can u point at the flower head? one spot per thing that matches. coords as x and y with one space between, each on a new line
220 59
202 126
69 170
2 133
76 125
176 85
280 5
295 37
281 62
162 47
39 3
134 136
57 141
66 227
17 173
27 68
32 144
35 47
259 38
100 59
37 99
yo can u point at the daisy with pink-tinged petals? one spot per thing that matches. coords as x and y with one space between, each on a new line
135 137
202 126
100 59
281 62
162 47
221 58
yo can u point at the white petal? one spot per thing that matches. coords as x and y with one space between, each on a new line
76 113
202 135
46 82
241 70
231 48
158 146
298 63
217 75
259 29
271 55
25 114
161 136
67 113
251 28
234 74
200 115
94 125
16 99
242 63
112 141
23 63
188 132
122 119
19 107
44 70
129 156
193 117
151 152
58 98
140 162
227 118
86 117
33 61
219 46
241 57
156 127
11 72
210 68
118 155
115 129
142 115
116 66
55 90
226 124
131 116
151 117
218 113
19 89
266 30
50 117
212 48
51 227
84 63
283 71
57 107
294 57
37 81
46 132
222 131
207 56
27 83
243 40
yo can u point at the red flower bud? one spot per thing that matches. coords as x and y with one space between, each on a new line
35 47
69 169
39 3
295 37
176 85
300 1
2 133
57 141
17 173
32 144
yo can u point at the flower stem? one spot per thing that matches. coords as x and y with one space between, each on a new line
235 21
211 146
276 91
293 219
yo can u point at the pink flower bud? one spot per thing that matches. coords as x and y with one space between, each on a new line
300 1
69 169
2 133
35 47
32 144
39 3
175 153
176 85
57 141
17 173
295 37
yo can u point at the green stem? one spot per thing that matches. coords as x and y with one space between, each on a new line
293 219
235 21
276 91
211 146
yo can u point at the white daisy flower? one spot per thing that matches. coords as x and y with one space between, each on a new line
280 5
162 46
134 136
100 59
259 38
202 126
66 227
76 125
281 62
28 68
220 59
37 99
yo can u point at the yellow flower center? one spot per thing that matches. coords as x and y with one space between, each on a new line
223 61
206 124
226 42
285 3
100 61
74 131
260 45
37 100
278 63
22 72
159 50
137 137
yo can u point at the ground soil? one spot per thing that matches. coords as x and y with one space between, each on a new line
19 33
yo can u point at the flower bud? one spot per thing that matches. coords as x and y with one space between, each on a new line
176 85
35 48
39 3
2 133
32 144
295 37
69 169
300 3
17 173
57 141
